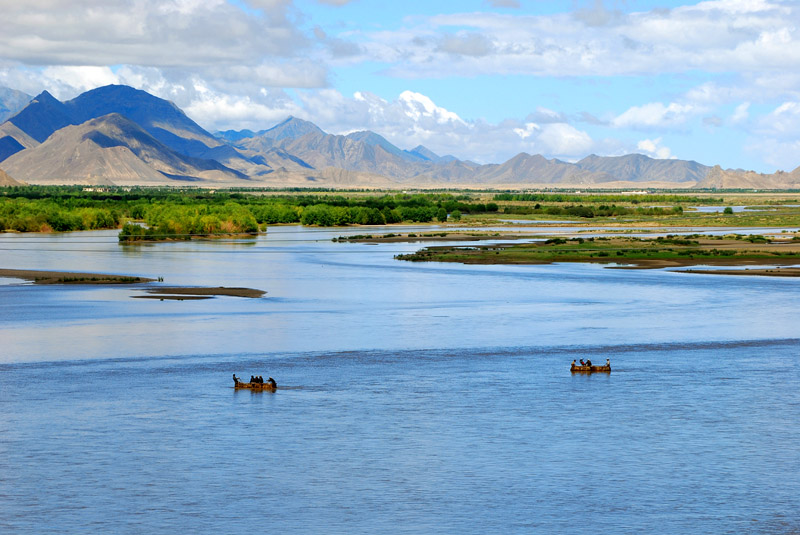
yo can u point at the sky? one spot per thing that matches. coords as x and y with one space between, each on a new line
717 82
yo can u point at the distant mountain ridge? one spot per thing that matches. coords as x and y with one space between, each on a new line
162 119
12 101
118 134
111 149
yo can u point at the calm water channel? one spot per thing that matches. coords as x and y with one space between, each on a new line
418 398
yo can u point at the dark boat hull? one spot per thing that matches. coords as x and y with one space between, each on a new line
256 386
269 386
590 369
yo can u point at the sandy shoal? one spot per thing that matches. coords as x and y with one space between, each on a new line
70 277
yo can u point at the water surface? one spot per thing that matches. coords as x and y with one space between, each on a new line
416 398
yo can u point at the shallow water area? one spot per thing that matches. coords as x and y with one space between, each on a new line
8 281
413 397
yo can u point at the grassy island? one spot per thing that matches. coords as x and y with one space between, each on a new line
669 251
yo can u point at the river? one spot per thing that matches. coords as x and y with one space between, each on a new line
415 398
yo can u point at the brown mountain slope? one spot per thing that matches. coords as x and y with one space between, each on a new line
536 169
732 179
111 149
641 168
322 150
6 180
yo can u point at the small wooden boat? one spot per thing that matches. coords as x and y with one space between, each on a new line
577 368
270 385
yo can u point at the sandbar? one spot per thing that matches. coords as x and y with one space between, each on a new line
184 292
70 277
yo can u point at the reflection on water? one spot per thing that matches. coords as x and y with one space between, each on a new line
420 398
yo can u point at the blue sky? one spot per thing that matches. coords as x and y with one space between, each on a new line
715 81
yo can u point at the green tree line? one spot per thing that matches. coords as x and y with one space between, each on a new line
148 213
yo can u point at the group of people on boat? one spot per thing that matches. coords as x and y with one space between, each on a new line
588 362
258 380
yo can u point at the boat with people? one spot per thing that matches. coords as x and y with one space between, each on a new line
588 367
256 383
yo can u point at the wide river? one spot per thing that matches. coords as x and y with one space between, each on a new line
415 397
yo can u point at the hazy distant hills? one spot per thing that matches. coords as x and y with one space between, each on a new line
729 179
640 168
121 135
12 101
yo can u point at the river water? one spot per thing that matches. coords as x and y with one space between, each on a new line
415 398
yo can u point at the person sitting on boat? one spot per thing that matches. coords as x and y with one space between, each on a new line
260 380
272 382
252 379
583 363
589 363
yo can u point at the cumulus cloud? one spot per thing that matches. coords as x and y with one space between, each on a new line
783 121
564 140
222 111
261 43
146 32
741 113
725 36
654 149
655 115
775 140
466 44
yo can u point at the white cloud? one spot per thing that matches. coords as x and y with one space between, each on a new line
655 115
529 130
466 44
224 111
418 106
741 113
201 36
724 36
774 135
781 124
561 139
654 148
780 153
81 78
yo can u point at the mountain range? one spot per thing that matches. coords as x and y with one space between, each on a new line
124 136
